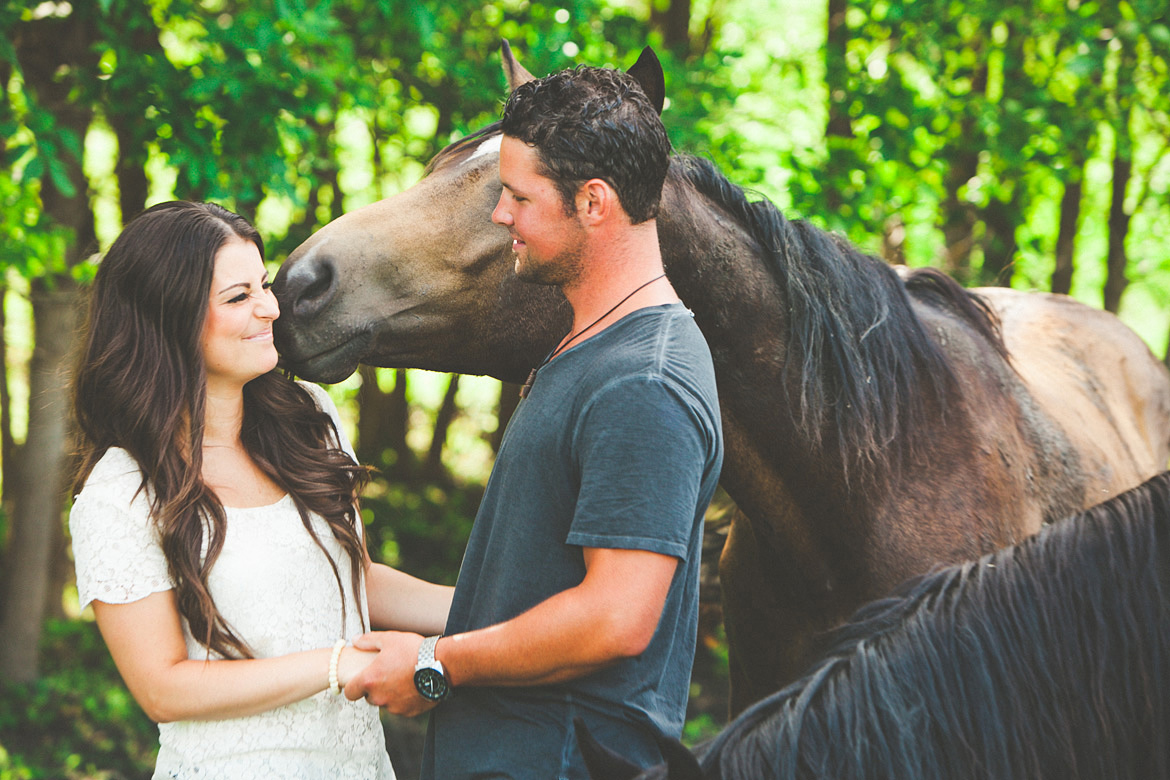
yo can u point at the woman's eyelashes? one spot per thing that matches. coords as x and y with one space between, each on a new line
245 295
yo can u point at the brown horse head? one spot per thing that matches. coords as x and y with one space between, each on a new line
405 282
424 279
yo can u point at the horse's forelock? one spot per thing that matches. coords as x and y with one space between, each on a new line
483 141
490 145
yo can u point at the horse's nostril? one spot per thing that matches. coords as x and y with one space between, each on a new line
319 288
309 285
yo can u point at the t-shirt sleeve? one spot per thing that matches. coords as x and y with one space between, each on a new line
115 547
643 446
325 404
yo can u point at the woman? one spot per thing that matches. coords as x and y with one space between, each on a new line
216 531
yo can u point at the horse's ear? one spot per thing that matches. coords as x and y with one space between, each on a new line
647 71
514 72
681 763
601 762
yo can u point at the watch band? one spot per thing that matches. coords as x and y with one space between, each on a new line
426 653
429 677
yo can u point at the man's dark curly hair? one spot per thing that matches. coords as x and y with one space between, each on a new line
593 123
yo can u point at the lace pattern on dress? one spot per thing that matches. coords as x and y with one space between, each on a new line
275 588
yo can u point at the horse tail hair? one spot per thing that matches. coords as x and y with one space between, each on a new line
1049 659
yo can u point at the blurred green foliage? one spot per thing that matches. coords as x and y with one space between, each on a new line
78 720
914 117
421 529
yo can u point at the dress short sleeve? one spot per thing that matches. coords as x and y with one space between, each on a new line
116 550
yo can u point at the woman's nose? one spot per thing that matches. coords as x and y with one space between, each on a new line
268 307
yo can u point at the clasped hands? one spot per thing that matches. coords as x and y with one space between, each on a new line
385 676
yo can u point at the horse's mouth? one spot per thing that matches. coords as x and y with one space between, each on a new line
330 365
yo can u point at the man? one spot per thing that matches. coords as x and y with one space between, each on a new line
578 594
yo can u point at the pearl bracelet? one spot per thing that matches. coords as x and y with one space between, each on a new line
334 685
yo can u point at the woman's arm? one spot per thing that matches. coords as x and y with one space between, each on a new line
612 614
145 638
401 602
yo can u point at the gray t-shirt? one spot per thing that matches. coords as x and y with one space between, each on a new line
618 445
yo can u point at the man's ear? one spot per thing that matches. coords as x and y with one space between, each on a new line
596 201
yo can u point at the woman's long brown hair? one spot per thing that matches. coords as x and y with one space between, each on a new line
140 385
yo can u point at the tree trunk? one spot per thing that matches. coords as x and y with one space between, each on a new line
398 415
38 492
1117 259
894 241
373 418
133 186
1000 221
674 22
838 127
325 170
959 216
1066 237
61 571
382 424
433 470
836 73
509 400
7 443
51 53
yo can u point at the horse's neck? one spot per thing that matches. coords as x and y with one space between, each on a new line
718 270
736 289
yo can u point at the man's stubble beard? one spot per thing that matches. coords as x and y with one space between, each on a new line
564 269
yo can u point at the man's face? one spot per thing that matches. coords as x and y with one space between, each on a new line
546 241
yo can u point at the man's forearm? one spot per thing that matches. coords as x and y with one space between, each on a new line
611 615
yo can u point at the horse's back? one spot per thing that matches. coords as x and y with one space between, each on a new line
1096 378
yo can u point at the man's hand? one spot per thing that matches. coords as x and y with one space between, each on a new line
389 679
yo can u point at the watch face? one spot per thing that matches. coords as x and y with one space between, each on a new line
431 684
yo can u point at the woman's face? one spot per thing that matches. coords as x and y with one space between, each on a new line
237 337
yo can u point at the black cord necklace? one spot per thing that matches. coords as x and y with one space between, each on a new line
565 344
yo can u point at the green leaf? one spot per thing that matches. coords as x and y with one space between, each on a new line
60 177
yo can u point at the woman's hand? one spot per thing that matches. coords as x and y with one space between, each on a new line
389 682
352 662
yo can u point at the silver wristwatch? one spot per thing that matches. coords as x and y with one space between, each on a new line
428 673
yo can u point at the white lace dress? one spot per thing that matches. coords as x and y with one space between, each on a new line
275 588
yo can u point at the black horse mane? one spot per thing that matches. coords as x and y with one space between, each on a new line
865 366
1048 659
863 361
